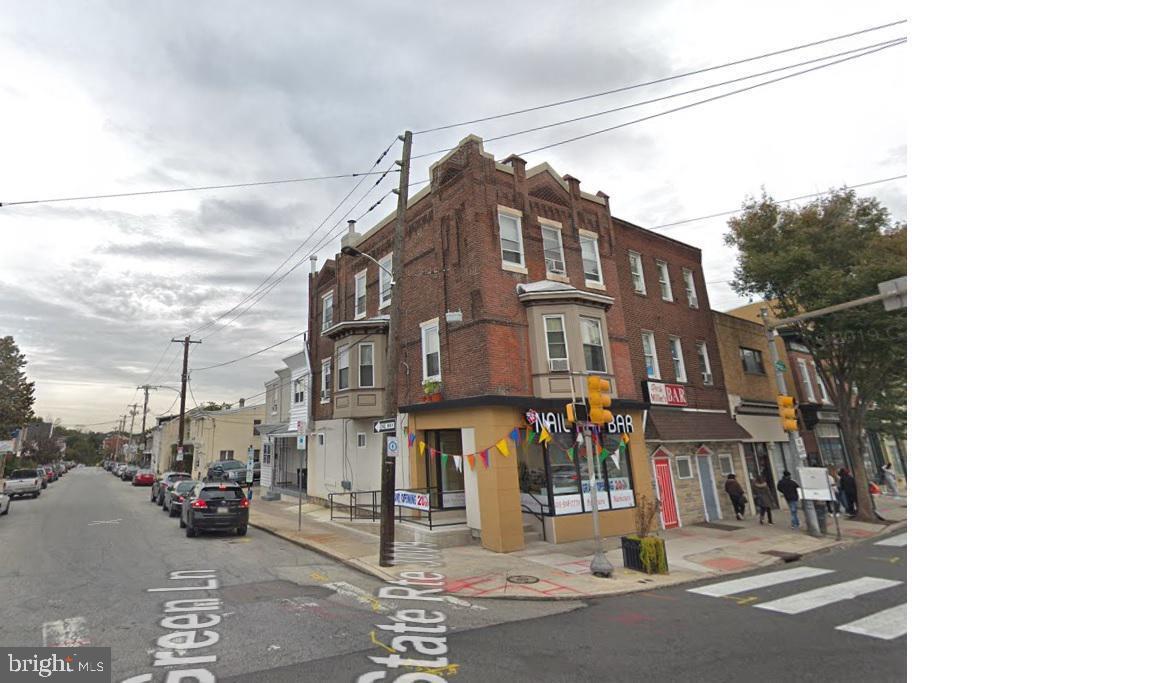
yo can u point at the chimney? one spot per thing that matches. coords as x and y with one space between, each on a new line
312 265
241 403
351 227
518 165
573 186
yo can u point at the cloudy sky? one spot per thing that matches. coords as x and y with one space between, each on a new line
107 97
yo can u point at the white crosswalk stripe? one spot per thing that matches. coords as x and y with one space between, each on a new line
886 624
751 583
810 600
899 541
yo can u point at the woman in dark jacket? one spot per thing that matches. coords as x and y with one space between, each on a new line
736 493
760 492
848 488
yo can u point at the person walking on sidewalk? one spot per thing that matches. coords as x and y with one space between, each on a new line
736 492
834 488
890 480
848 486
791 491
760 493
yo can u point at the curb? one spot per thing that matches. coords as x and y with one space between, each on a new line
314 547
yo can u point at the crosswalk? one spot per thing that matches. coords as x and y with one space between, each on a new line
887 624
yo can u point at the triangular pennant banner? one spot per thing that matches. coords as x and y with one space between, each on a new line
484 457
616 458
411 440
569 452
471 461
545 437
422 446
458 462
603 454
515 436
625 438
502 446
444 458
531 436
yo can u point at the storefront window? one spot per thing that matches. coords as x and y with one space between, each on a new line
442 475
565 482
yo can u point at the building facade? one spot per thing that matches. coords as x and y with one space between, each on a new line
213 435
284 454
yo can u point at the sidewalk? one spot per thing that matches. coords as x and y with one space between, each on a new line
545 571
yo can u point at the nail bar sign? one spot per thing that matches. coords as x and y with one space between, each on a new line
661 394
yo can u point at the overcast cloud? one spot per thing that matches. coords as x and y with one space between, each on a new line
125 96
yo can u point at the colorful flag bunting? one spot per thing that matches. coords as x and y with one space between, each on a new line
531 436
616 458
484 457
471 461
502 445
545 437
458 462
411 440
569 452
422 445
515 436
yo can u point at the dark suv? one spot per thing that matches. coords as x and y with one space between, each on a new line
231 470
215 506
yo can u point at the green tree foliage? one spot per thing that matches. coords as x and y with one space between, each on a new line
833 250
16 392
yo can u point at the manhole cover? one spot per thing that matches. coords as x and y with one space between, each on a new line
522 578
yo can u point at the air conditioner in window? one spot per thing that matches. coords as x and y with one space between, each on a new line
558 365
707 377
555 267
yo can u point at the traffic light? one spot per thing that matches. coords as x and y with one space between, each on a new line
788 419
570 413
599 400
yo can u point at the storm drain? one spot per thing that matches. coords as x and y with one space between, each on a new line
782 554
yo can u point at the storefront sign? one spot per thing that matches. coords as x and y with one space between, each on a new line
558 423
567 505
452 499
662 394
416 500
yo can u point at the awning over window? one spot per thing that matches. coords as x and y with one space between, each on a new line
682 425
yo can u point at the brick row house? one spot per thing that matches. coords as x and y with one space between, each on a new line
514 278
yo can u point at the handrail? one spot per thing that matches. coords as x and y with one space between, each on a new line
538 513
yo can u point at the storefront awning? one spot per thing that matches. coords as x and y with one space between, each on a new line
682 425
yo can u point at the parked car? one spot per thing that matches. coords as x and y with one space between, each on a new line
128 472
229 470
215 506
61 468
163 482
118 469
26 482
144 478
174 496
43 474
5 502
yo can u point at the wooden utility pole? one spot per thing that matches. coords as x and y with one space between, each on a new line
392 348
179 466
144 425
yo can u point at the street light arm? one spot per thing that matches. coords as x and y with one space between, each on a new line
352 251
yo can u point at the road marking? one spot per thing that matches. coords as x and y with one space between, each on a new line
899 541
809 600
886 625
750 583
66 633
105 521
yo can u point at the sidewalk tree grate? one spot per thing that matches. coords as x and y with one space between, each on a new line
523 578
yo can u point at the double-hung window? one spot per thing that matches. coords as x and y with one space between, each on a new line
752 360
705 364
511 239
553 249
298 390
690 288
590 255
637 266
825 396
677 359
326 315
386 281
342 368
367 365
430 349
557 343
651 362
325 380
593 345
361 294
806 379
665 281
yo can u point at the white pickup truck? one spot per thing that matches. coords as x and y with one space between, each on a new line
23 483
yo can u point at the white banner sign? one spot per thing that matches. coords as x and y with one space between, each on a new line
814 482
416 500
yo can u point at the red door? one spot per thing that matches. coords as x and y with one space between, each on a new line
669 515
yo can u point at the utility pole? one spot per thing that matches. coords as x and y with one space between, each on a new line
132 426
144 425
183 391
391 382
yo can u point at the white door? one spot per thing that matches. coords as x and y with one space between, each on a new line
708 488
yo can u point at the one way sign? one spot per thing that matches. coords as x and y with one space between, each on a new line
384 426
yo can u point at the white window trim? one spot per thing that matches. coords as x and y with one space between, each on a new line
679 369
595 238
825 397
508 211
343 352
706 371
360 363
806 380
603 346
326 369
361 277
361 440
385 301
646 336
687 459
548 347
690 288
639 263
545 226
328 302
665 281
730 469
424 327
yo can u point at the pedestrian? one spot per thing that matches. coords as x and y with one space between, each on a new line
848 486
760 493
834 488
791 491
890 479
736 493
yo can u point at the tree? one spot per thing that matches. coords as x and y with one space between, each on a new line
830 251
16 392
212 405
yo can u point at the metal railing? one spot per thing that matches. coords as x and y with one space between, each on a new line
353 505
425 506
538 513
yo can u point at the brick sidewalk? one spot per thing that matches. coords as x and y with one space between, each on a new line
545 571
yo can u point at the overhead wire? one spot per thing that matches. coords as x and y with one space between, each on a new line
236 360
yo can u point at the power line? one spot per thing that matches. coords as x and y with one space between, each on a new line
714 98
670 96
236 360
660 80
188 189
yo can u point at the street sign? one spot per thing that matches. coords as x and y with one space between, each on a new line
801 452
895 293
780 366
814 482
301 442
393 447
380 426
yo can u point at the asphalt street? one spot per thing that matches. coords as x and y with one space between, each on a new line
76 566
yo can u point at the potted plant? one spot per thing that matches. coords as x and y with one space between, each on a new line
643 552
432 391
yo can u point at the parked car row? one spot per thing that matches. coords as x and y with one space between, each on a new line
28 482
209 505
